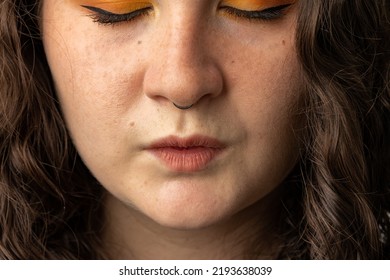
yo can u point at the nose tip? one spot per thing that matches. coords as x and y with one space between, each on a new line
182 71
183 84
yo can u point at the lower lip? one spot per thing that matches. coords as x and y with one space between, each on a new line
186 159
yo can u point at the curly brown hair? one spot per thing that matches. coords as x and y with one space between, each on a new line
337 206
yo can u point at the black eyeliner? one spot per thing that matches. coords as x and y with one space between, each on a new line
105 17
266 14
99 11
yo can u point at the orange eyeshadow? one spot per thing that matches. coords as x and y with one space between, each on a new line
253 5
118 6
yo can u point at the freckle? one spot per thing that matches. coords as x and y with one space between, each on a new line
139 42
283 42
132 124
233 61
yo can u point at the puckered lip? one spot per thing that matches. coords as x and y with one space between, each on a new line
195 141
189 154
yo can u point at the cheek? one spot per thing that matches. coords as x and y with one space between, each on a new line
96 90
263 79
266 89
266 95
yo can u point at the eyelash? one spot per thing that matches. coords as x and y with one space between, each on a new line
107 18
268 14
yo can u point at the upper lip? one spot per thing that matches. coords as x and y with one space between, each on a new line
187 142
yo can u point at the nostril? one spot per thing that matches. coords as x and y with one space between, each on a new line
182 107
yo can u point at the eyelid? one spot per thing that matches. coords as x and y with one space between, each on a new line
119 7
106 17
136 9
267 14
101 11
255 5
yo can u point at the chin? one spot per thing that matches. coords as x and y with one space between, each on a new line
188 222
194 205
190 216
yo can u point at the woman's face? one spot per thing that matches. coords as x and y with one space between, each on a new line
118 67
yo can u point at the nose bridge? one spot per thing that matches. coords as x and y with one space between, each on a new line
182 70
183 44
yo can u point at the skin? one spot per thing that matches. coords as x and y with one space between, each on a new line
116 85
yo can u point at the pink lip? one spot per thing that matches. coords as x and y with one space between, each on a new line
186 154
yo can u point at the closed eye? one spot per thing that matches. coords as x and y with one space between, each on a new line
105 17
268 14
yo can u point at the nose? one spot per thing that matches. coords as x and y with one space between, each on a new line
181 69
